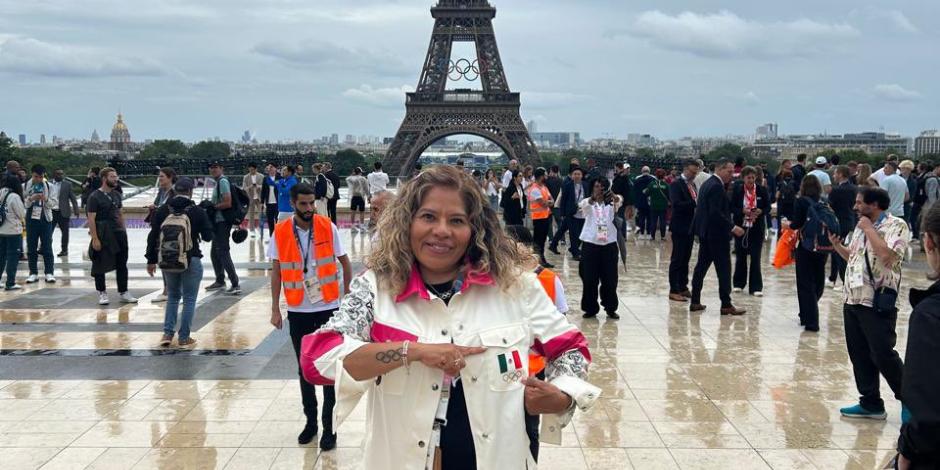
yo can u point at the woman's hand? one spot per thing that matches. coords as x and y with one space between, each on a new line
544 398
446 357
277 320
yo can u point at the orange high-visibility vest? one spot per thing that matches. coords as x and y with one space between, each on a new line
539 211
292 265
547 278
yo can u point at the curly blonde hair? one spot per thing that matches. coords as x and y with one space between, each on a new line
491 251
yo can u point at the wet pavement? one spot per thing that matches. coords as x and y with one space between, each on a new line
83 386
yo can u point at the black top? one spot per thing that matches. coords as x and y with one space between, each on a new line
622 186
798 173
513 210
334 178
800 211
737 207
639 185
569 201
683 207
198 222
920 438
106 207
553 183
319 187
712 218
266 189
842 201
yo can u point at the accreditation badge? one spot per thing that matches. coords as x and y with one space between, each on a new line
36 212
312 290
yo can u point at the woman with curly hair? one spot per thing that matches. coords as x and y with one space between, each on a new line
437 333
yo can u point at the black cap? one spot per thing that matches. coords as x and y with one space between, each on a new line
184 185
215 164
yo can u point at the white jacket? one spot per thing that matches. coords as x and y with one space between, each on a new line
402 403
16 212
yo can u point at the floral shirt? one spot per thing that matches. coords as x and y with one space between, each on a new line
858 287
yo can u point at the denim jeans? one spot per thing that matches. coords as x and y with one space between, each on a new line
10 256
39 232
185 286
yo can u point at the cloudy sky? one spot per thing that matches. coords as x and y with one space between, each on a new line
300 69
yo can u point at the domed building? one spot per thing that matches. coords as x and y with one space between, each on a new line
120 136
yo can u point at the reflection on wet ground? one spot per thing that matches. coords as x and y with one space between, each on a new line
681 391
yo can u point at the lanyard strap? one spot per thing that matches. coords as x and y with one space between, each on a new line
300 246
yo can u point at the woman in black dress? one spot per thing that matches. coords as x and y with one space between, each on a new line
514 202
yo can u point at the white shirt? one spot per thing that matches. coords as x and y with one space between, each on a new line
306 306
491 189
507 178
595 216
272 194
699 180
401 406
878 176
897 191
822 176
378 181
53 201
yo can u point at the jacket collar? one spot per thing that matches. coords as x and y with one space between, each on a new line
415 285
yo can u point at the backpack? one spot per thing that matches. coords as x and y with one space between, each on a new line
920 196
235 215
820 221
176 239
330 190
3 208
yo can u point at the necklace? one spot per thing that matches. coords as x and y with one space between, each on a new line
445 296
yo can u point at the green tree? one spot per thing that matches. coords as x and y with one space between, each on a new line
346 160
645 153
7 150
164 149
210 150
857 155
75 165
728 151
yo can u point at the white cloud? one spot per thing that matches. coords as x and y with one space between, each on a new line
367 15
315 53
726 35
34 57
379 97
878 17
538 99
895 92
751 98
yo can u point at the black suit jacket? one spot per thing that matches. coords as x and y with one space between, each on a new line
513 212
683 207
842 201
713 215
737 207
266 189
568 203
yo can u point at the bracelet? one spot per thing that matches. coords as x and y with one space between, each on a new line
404 355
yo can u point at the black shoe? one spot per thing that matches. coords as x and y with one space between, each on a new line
546 264
63 253
814 329
215 286
589 315
554 249
576 257
328 441
306 436
613 315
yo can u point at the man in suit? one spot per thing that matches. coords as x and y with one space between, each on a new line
713 225
332 202
63 202
572 192
682 193
842 201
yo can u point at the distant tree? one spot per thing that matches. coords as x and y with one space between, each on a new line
645 153
857 155
210 150
7 150
169 149
75 165
728 151
346 160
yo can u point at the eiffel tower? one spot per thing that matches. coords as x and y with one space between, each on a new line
433 112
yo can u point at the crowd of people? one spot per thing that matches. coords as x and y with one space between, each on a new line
458 321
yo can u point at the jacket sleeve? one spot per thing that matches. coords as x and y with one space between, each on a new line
675 196
322 353
920 437
800 207
566 352
737 205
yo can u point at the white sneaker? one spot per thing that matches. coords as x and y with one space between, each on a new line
737 290
253 235
836 288
758 294
830 284
50 278
159 298
32 279
103 298
127 298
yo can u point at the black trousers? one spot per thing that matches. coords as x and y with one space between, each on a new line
63 224
870 338
540 229
572 226
599 266
302 324
717 251
744 249
221 254
642 218
120 265
331 208
679 262
532 423
810 282
654 218
270 212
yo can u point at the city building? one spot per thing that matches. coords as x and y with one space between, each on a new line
556 139
94 136
533 126
928 143
247 137
641 140
42 139
334 139
120 136
22 139
767 131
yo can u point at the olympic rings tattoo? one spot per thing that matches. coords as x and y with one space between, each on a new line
390 356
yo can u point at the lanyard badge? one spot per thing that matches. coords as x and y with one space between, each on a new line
601 220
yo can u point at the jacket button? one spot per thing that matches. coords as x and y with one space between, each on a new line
473 379
421 444
434 387
504 341
444 332
486 436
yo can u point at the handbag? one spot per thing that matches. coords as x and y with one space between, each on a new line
886 298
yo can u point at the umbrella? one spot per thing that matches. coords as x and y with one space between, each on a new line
622 240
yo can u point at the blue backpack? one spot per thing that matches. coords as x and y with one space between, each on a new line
820 221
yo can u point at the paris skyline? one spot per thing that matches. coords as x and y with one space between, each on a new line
288 69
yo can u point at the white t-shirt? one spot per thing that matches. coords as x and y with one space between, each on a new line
378 181
594 216
507 178
878 176
491 189
306 306
897 191
822 176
